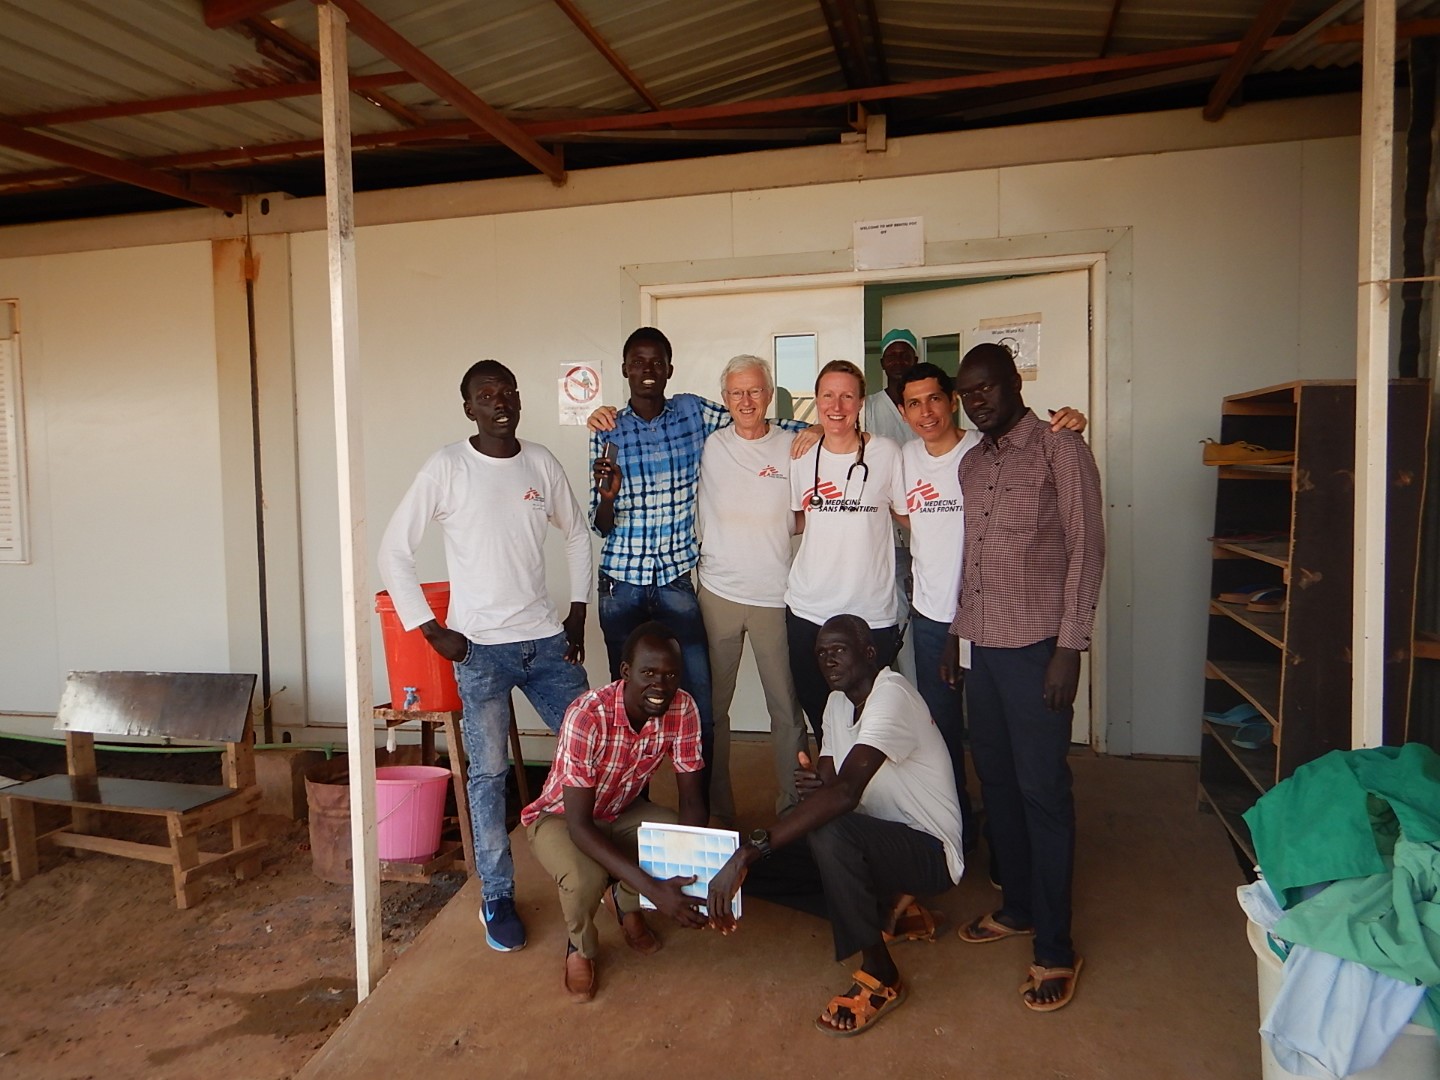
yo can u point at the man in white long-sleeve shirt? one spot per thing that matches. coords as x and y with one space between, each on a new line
494 497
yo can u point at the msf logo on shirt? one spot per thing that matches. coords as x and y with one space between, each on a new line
770 472
535 499
924 499
834 500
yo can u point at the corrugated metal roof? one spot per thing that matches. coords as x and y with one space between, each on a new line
526 58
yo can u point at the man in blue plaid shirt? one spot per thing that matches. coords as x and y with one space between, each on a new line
643 504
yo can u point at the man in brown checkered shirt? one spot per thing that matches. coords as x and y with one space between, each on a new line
1034 553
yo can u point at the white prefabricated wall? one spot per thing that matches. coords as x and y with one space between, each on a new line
127 531
1240 266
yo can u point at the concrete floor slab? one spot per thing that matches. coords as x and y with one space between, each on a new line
1168 991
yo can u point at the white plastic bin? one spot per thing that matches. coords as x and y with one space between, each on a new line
1414 1055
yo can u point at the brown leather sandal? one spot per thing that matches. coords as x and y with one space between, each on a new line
861 1005
1040 974
913 923
987 928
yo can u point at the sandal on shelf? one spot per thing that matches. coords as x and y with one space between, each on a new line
1234 717
1254 735
912 923
1040 974
861 1005
987 928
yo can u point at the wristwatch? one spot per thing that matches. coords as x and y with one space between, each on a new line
760 841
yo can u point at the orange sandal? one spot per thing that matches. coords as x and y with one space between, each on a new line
861 1005
1040 974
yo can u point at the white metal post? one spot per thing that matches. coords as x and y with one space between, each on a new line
349 465
1372 375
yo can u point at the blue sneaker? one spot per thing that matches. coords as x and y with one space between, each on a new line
504 932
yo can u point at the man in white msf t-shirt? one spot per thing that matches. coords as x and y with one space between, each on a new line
936 512
495 497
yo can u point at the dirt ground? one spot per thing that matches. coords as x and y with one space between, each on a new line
101 976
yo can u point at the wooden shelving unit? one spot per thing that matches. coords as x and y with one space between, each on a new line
1294 667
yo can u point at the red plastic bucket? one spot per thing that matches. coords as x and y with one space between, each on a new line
409 810
421 680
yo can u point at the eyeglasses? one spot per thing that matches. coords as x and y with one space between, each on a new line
753 394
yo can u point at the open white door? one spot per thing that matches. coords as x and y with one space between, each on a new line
947 322
796 330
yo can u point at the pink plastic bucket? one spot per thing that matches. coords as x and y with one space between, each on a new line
409 810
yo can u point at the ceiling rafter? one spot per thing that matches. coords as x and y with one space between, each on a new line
222 13
384 39
126 172
842 21
850 22
697 115
586 27
837 44
1109 34
877 42
265 30
203 100
1251 46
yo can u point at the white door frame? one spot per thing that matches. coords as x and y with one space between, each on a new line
1107 255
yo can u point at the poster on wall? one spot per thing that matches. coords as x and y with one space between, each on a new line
1018 333
884 245
579 392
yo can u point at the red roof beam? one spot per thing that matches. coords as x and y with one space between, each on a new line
1355 32
586 27
127 172
359 84
627 121
289 43
1251 46
380 36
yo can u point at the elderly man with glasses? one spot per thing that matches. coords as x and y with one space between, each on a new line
745 525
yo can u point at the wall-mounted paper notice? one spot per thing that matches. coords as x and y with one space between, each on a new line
579 392
882 245
1018 333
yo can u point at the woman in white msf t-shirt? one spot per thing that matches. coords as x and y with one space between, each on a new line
843 492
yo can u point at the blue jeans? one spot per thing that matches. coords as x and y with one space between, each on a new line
623 607
485 678
944 702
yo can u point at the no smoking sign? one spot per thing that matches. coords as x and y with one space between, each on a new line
579 392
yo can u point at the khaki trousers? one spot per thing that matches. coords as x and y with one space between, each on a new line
581 880
726 624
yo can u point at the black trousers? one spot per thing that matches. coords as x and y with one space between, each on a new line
1019 748
864 863
810 685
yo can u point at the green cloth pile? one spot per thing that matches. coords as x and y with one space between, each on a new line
1368 821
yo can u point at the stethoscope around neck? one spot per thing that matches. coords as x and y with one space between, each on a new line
816 500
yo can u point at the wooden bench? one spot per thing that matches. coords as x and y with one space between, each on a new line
194 707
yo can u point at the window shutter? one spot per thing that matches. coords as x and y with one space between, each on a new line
13 526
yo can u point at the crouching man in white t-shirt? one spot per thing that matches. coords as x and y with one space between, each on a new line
881 817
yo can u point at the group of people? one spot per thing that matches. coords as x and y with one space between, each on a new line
697 504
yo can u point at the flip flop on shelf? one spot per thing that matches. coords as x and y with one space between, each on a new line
1236 717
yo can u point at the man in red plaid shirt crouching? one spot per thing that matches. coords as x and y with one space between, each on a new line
583 826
